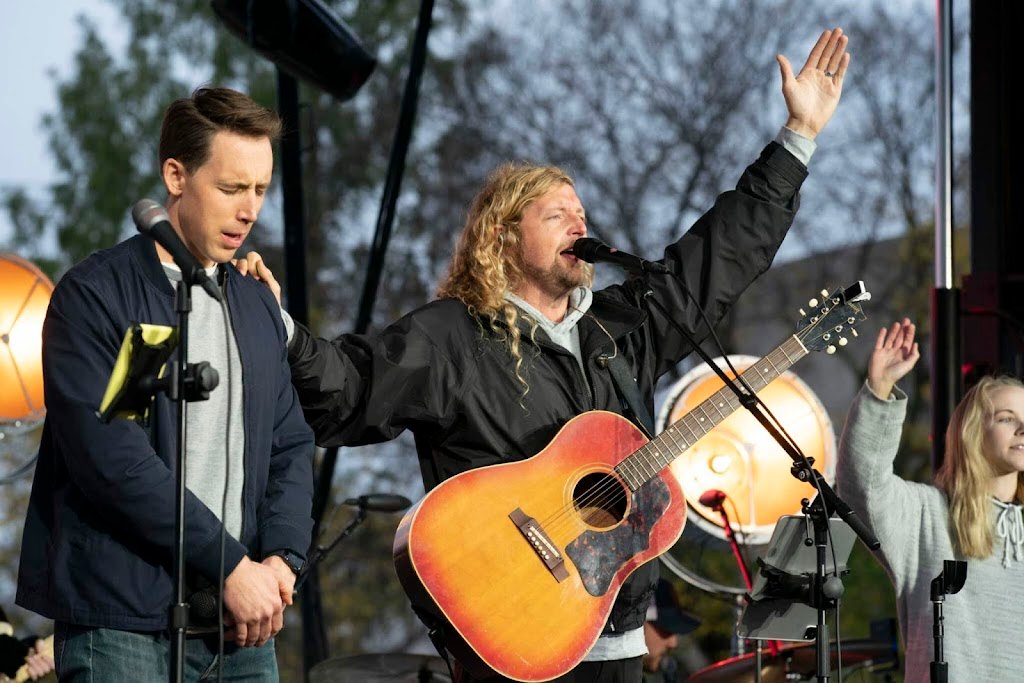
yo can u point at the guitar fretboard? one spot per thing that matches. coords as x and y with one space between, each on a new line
656 454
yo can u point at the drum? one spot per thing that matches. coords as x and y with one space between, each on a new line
799 663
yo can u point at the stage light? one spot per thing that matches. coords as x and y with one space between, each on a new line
24 295
740 458
303 37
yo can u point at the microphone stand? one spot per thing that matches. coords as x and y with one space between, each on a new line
320 552
730 536
185 382
950 580
368 503
822 589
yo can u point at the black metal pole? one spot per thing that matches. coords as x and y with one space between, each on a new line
291 191
385 220
314 634
396 167
945 316
946 380
176 392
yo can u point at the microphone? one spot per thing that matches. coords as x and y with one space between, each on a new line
152 220
593 251
380 502
712 498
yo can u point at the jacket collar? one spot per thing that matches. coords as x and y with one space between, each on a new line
143 251
618 317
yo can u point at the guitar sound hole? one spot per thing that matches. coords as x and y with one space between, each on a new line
600 499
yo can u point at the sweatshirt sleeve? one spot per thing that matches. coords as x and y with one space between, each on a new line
896 510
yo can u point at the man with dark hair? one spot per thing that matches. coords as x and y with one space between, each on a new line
98 546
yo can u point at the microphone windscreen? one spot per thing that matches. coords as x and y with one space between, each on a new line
712 498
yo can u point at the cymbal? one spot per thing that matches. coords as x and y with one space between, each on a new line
793 663
381 668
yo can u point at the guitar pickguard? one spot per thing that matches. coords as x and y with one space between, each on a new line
598 555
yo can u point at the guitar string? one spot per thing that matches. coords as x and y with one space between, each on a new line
610 492
639 467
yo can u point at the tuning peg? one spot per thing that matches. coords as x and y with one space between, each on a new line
802 312
812 303
853 331
830 349
843 341
824 294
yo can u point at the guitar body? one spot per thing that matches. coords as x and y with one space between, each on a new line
524 560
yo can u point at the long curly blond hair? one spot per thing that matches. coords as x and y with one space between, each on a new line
488 256
965 472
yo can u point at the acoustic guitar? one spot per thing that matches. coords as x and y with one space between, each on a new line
523 560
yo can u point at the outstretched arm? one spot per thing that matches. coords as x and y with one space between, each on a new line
812 95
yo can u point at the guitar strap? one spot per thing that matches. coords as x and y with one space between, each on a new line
629 391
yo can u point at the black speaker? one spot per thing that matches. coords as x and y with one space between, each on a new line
304 38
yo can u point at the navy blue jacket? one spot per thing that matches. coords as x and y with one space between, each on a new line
99 533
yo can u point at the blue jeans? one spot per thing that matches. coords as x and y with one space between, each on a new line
85 654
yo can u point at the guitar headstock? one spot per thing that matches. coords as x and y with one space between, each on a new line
828 321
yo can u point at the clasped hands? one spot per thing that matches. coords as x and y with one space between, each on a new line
255 595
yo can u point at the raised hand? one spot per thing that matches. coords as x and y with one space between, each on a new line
894 355
812 95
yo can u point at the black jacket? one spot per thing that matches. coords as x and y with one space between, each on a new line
99 531
437 373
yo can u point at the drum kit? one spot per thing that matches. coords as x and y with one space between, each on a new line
728 462
798 663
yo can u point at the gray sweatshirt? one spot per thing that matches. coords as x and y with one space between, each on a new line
984 634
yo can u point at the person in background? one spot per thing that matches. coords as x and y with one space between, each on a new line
972 512
666 622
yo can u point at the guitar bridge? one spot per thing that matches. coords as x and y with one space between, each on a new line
541 544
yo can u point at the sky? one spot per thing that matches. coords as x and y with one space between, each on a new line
35 38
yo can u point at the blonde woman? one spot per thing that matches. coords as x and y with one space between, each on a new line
972 512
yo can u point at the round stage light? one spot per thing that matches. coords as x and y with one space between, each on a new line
739 458
24 295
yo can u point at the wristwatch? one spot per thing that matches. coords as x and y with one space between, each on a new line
293 560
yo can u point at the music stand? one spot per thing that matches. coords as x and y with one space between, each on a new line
782 606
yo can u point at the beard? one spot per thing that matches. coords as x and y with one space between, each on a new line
557 280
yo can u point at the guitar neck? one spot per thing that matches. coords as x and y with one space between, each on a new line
660 451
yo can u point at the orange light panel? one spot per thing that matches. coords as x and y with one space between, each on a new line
24 295
740 458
